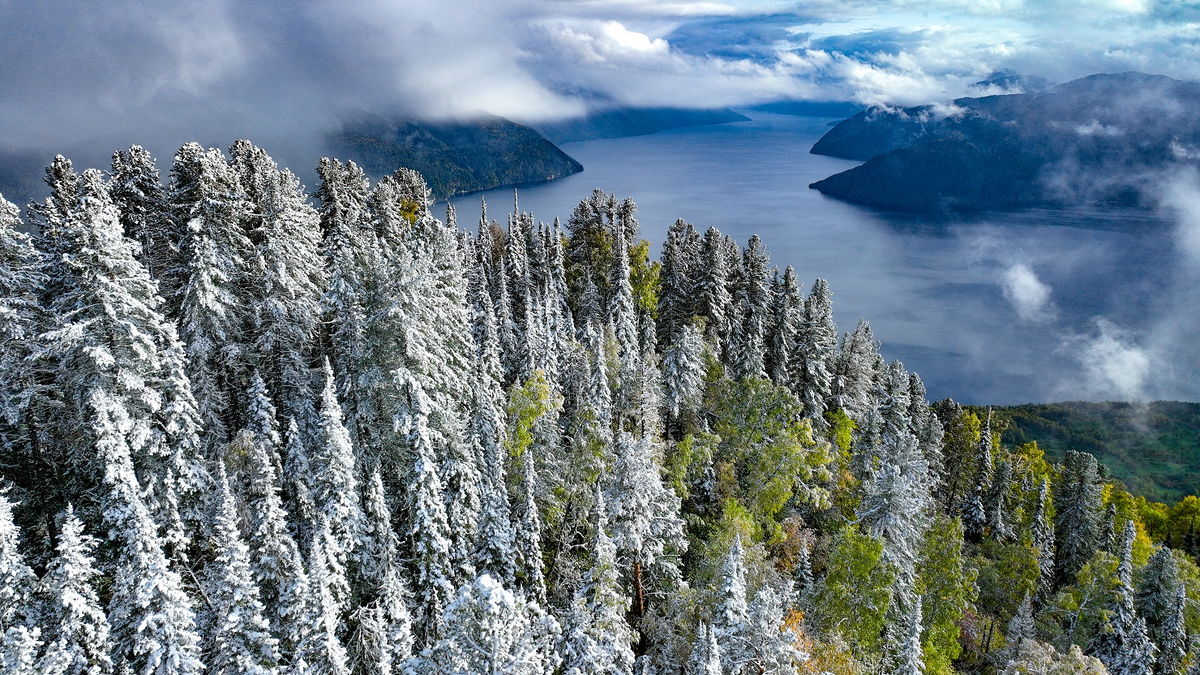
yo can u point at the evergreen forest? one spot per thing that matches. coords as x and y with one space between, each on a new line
251 429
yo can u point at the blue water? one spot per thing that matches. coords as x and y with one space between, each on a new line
1117 317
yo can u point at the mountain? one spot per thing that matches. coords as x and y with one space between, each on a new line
1100 139
1154 448
453 156
633 122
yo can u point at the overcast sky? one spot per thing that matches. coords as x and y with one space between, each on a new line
81 71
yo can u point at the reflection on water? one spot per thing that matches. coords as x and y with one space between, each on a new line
998 309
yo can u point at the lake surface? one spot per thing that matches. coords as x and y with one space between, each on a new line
1005 308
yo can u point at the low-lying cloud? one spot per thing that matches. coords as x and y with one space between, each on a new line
1113 365
1029 296
80 72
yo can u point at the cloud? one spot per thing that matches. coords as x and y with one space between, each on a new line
82 75
1114 366
1029 296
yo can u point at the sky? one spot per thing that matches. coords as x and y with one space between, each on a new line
79 72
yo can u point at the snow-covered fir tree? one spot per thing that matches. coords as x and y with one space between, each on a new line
646 527
705 658
335 492
1123 644
1077 502
1158 604
427 531
322 651
153 625
204 285
490 629
17 580
608 645
239 639
383 640
730 623
275 559
141 197
77 632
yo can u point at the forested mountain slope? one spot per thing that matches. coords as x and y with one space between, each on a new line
243 433
1154 448
454 156
1101 139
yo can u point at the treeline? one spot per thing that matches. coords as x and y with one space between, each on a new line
246 431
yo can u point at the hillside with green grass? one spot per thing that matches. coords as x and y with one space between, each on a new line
1154 448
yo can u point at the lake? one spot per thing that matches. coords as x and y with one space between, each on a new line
1030 306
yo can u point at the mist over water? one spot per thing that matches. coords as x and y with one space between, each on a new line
1004 308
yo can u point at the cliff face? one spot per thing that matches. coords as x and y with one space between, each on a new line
1100 139
454 157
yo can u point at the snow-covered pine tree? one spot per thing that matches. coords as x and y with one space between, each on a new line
297 480
974 517
646 525
21 320
348 248
205 285
683 377
612 639
711 292
753 308
109 334
1157 604
335 492
1077 516
464 502
493 554
1172 639
1123 644
286 279
77 632
20 315
772 650
140 196
383 640
239 639
1043 540
854 379
895 509
17 580
621 313
1021 626
577 647
18 651
787 325
176 458
995 503
731 616
814 362
322 651
490 629
275 560
529 570
676 301
705 658
928 430
153 627
427 531
1110 539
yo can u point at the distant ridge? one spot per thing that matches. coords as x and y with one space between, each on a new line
454 156
1100 139
624 122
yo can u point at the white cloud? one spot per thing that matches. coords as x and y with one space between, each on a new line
1029 296
1115 367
